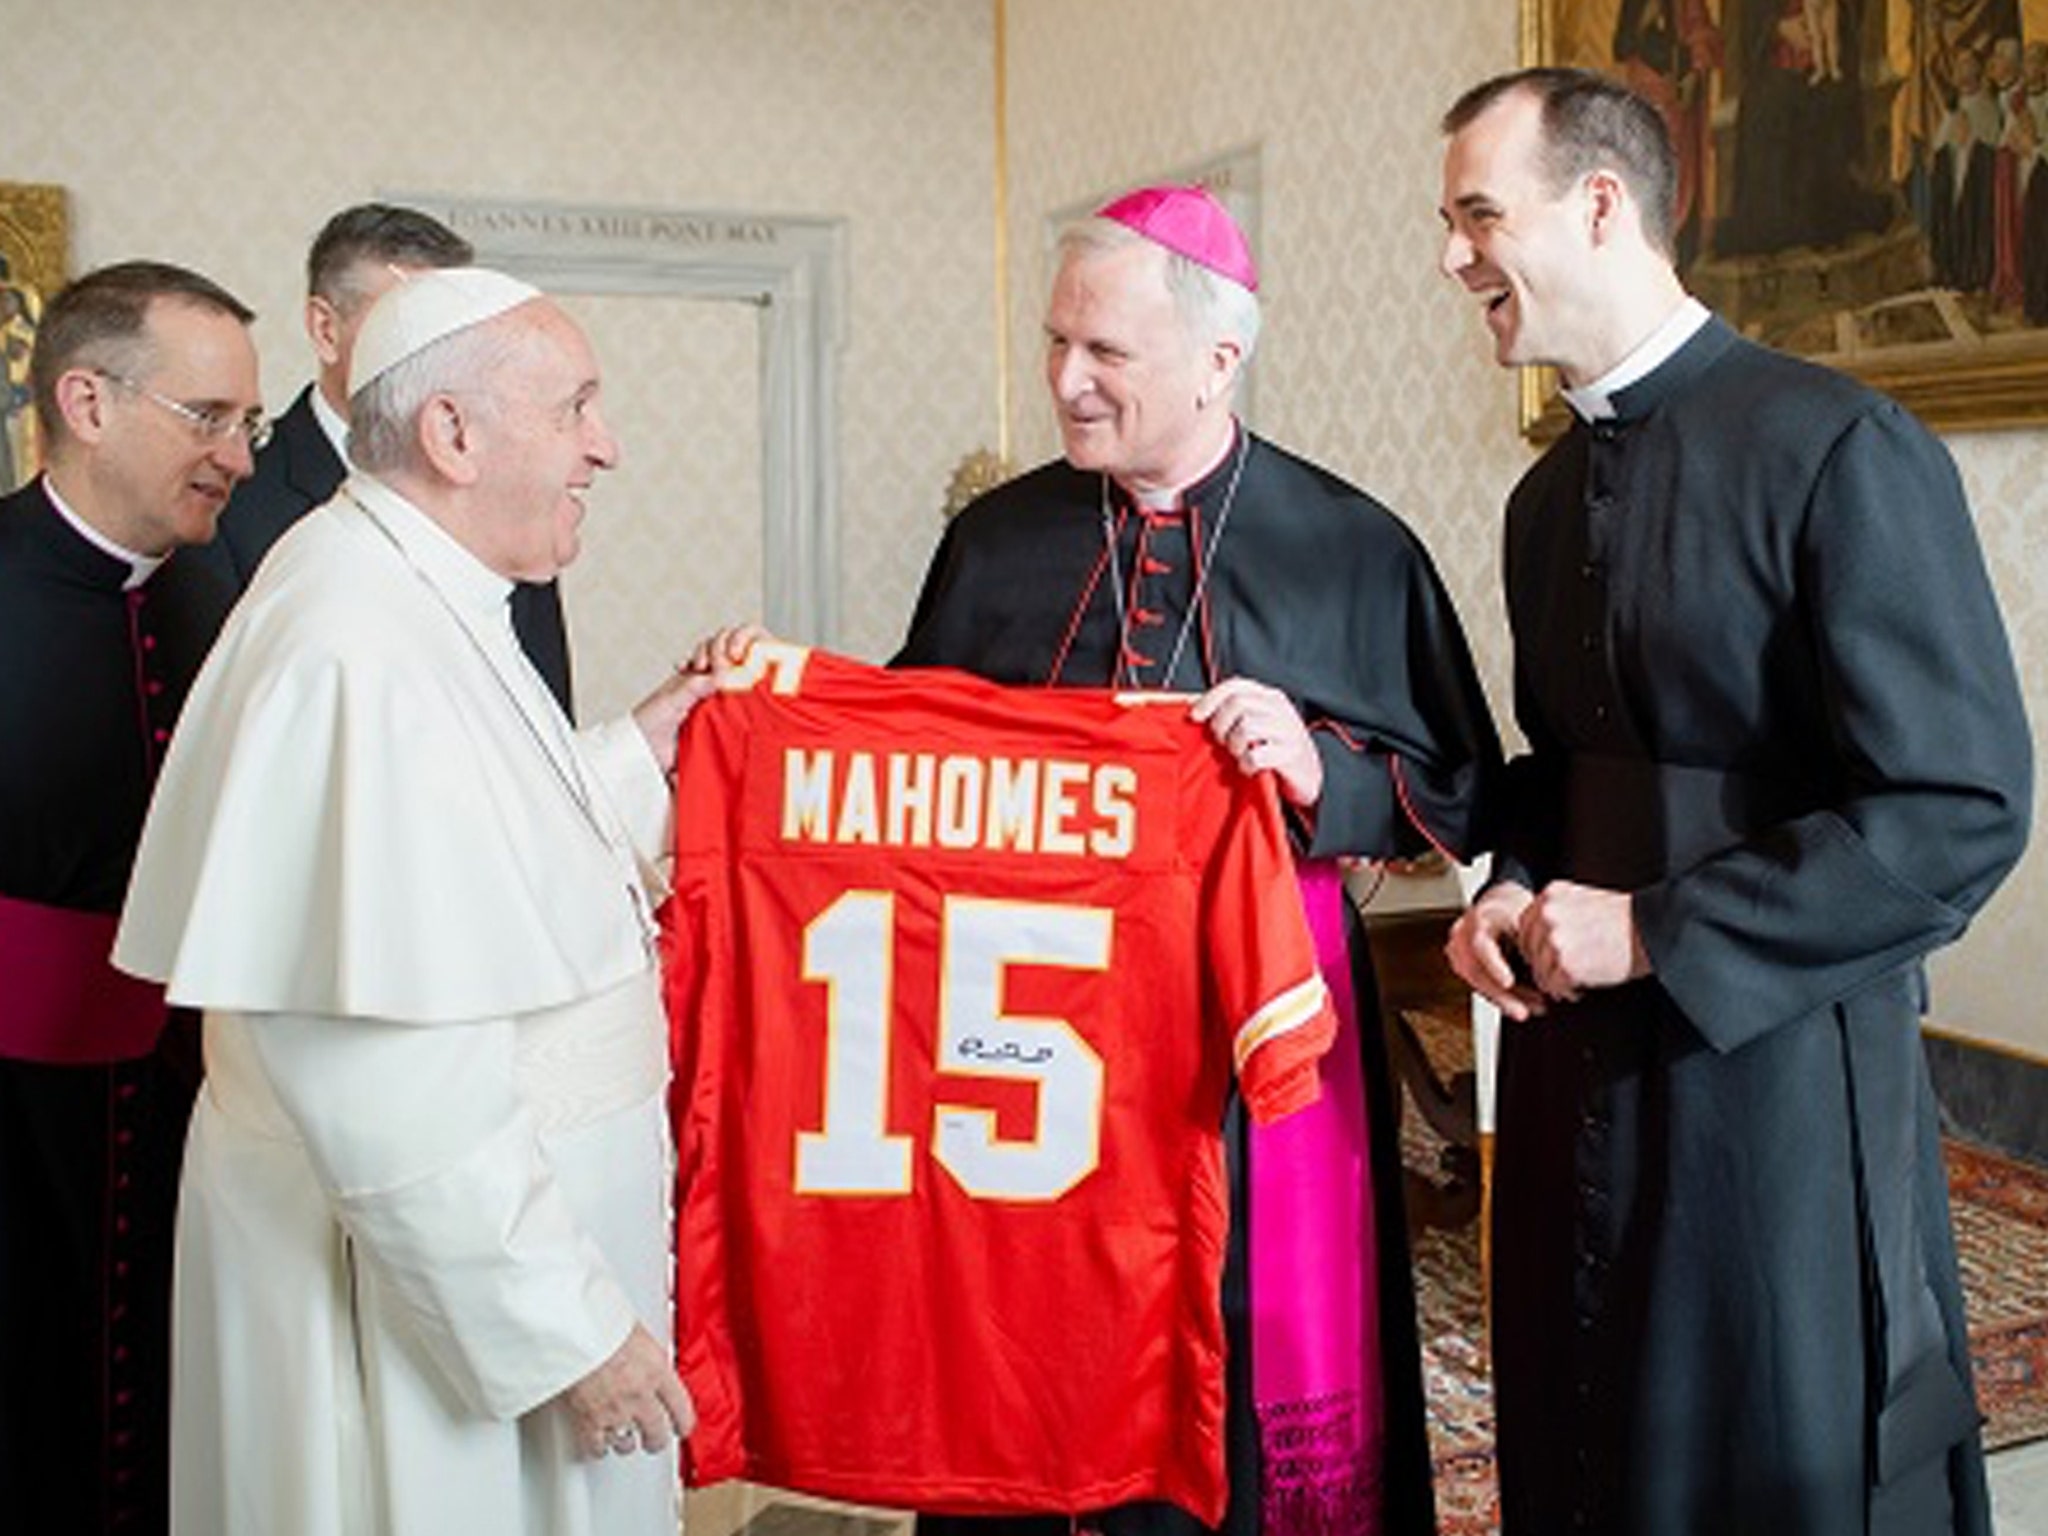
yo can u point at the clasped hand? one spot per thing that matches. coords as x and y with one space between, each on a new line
1570 938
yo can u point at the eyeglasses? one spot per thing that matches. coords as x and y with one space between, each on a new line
209 423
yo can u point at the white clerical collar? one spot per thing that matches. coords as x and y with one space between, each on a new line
466 581
332 422
1595 401
140 567
1155 499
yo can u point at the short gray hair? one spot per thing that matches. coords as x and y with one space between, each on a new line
384 413
1212 306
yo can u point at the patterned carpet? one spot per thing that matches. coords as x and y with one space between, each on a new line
2001 1218
2001 1215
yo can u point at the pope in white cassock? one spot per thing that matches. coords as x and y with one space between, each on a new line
423 1242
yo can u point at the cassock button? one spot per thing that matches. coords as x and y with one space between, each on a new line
149 642
160 735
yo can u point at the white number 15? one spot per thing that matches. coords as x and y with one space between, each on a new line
850 948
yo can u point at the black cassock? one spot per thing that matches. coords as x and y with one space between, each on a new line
1309 586
1766 688
92 1119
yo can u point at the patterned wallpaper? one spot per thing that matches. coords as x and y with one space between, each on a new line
669 540
221 134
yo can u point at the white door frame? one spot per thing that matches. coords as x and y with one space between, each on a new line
792 269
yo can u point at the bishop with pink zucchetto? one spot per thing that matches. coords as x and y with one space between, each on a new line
1170 548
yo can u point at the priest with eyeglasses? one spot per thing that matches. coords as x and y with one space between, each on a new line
145 386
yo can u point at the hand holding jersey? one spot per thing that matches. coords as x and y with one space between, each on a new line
1261 729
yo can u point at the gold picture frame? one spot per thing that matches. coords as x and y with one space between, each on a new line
34 264
1860 238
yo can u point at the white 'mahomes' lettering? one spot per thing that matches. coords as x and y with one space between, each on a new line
959 800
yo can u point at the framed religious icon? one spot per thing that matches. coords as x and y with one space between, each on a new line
1862 182
34 251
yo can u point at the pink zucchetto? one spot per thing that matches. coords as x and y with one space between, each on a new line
1187 220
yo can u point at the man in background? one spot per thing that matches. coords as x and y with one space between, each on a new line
145 381
357 255
1172 549
1776 757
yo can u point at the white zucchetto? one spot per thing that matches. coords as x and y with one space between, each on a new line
425 307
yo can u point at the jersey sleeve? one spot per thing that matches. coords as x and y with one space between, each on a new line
1262 963
697 987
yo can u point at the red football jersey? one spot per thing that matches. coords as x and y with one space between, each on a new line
959 975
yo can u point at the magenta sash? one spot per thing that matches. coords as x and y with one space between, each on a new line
61 1000
1314 1279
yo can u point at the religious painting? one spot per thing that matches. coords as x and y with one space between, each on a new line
33 256
1862 182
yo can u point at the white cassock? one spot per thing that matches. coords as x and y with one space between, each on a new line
427 1182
